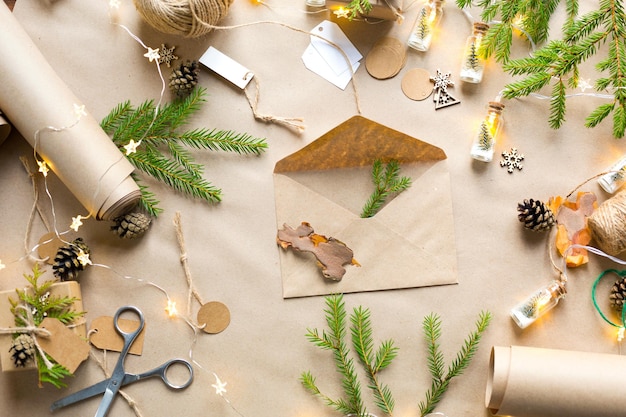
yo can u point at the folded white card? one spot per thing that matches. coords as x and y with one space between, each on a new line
332 61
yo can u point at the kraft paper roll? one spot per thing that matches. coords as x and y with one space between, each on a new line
5 128
83 157
535 382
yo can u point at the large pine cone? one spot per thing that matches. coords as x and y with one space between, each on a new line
535 215
131 225
66 263
22 350
184 78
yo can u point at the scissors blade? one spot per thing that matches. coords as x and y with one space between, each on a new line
107 400
83 394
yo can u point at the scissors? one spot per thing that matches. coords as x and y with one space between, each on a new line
109 387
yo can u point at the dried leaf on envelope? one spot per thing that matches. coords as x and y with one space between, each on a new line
572 227
331 253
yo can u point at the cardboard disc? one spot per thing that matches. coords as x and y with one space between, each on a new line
386 58
215 317
416 84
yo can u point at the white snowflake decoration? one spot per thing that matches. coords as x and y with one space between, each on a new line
512 160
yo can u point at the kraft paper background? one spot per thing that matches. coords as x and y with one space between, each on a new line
231 247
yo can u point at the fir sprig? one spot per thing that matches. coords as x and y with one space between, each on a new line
162 153
387 181
41 304
335 341
557 62
373 363
358 7
440 381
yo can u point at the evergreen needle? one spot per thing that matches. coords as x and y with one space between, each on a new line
440 382
162 153
386 183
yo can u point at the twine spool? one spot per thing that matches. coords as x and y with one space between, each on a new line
189 18
608 224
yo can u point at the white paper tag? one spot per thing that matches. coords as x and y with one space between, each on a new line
326 60
227 67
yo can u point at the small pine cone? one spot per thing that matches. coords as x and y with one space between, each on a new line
132 225
66 263
184 78
22 349
618 294
535 215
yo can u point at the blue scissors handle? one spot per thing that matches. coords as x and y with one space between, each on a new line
161 372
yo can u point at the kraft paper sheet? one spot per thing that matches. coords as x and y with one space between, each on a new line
326 184
536 382
34 98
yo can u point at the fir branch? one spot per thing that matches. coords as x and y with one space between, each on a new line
364 345
335 341
148 201
358 7
387 182
439 383
170 173
162 152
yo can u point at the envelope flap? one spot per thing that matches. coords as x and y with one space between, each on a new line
358 142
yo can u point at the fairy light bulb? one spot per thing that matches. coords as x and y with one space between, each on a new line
615 177
473 64
427 20
620 334
171 308
538 304
487 135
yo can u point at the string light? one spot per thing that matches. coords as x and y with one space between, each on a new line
132 146
171 308
83 258
76 223
43 167
79 111
2 266
115 4
152 54
342 12
220 387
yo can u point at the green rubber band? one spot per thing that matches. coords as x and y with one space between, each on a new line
595 301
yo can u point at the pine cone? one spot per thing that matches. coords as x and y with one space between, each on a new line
66 263
184 78
618 293
23 349
535 215
131 225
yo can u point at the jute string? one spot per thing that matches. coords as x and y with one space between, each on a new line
194 18
608 224
31 329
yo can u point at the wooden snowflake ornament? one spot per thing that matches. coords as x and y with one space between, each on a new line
512 160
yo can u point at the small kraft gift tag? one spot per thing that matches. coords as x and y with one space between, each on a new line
63 345
105 337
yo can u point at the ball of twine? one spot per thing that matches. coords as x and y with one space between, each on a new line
608 224
190 18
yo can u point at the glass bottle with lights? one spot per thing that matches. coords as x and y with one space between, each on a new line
315 3
485 140
538 304
473 65
615 176
427 20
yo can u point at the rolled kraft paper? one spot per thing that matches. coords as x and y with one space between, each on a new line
5 128
535 382
84 158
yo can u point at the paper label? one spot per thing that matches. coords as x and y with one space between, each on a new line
63 345
104 336
226 67
326 60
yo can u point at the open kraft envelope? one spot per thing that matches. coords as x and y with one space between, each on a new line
408 243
